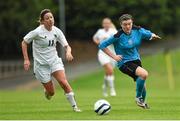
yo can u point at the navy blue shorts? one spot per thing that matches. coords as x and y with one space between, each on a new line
130 67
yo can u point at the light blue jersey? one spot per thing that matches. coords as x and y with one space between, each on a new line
127 44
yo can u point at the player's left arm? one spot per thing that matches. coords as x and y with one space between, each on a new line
155 36
69 55
147 34
64 43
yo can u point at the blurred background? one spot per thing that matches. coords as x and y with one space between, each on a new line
79 20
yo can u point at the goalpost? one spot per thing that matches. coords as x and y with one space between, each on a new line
169 69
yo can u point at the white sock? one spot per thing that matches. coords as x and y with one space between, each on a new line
105 81
70 98
110 80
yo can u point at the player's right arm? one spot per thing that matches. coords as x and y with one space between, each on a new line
115 57
96 37
96 41
103 46
24 46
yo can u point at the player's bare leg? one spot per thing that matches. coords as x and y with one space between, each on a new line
109 80
61 78
49 90
142 73
140 87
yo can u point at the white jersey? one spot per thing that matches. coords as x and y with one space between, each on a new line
102 34
44 43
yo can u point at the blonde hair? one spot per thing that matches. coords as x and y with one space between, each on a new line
112 24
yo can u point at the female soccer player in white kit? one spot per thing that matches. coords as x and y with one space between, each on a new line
107 62
47 64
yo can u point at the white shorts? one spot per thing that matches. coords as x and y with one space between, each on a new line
104 59
43 72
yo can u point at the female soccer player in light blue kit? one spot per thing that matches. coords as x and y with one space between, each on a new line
47 64
126 42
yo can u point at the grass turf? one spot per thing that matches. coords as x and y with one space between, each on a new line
165 103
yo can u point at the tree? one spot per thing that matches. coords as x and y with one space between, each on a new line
16 19
83 18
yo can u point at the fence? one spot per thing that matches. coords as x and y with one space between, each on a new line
11 68
14 68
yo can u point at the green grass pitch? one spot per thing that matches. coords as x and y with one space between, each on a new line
165 103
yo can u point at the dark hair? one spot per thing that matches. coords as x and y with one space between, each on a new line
43 12
125 17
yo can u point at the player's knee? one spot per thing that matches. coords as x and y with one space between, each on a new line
144 75
109 71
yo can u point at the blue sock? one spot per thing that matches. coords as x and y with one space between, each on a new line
139 86
144 93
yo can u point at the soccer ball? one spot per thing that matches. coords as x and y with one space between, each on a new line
102 107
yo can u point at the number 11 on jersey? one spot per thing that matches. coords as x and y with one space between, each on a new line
51 43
